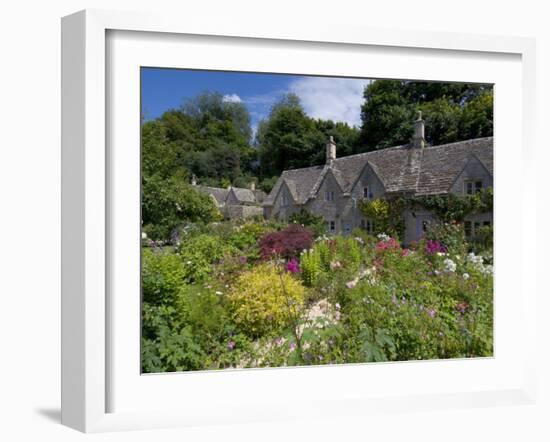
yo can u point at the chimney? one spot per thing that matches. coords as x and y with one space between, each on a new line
193 180
331 150
252 185
418 139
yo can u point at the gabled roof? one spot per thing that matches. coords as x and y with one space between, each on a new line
426 171
218 193
241 194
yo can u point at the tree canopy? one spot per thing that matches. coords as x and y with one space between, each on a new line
453 112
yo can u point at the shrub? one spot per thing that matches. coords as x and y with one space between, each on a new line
449 235
161 277
198 254
263 300
287 243
308 219
169 202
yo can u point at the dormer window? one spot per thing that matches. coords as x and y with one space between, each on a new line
329 195
367 194
472 186
284 201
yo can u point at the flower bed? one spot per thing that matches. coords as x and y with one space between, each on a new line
255 294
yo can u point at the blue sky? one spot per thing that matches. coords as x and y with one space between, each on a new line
338 99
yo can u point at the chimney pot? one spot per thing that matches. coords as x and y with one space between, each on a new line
331 150
418 139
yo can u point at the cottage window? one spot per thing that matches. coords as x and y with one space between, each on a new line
284 201
331 226
473 186
367 225
329 195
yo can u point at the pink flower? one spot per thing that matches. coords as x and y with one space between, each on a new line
231 345
292 346
352 284
432 313
292 266
335 265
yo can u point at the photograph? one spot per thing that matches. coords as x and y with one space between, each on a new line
301 220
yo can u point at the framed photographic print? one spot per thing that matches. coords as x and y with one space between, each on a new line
277 223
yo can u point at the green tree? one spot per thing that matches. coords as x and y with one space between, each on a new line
453 112
169 202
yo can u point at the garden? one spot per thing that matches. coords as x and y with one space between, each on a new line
266 293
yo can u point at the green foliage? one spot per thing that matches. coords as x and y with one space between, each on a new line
311 265
387 214
263 300
162 274
288 138
313 222
451 235
198 253
452 111
168 203
452 207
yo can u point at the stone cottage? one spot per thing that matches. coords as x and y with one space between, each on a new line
235 202
335 189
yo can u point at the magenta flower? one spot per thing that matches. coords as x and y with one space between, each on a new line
292 266
434 246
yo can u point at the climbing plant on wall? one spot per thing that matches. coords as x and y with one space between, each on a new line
387 213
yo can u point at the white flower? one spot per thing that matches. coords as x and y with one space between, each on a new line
189 263
383 237
450 265
465 276
218 292
487 270
441 254
143 235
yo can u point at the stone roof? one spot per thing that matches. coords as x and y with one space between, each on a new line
218 193
426 171
243 195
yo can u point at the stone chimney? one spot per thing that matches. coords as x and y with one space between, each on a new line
252 185
193 180
418 139
331 150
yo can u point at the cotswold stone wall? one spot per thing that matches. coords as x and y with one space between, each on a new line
240 211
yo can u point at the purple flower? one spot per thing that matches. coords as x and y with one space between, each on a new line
434 246
292 266
432 313
242 259
231 345
292 346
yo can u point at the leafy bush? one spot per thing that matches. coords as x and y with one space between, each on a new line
287 243
263 300
450 235
162 275
169 202
315 223
198 254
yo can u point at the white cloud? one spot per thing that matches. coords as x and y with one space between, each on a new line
337 99
232 98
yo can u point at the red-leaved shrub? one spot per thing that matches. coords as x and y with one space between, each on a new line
286 243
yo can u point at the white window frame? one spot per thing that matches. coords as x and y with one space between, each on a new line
472 183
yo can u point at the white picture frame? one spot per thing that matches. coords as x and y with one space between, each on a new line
87 206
